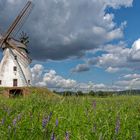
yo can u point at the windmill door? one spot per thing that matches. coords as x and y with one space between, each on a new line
15 82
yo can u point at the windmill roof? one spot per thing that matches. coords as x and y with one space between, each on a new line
17 43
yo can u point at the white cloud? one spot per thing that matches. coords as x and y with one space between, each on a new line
120 57
81 68
37 72
109 59
61 29
98 87
129 84
116 57
112 70
135 51
131 76
129 81
50 79
114 34
12 1
118 3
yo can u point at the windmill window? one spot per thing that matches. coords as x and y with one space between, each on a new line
15 82
15 57
15 68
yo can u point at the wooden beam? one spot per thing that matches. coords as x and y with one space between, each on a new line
16 21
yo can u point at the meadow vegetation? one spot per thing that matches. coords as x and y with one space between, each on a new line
46 116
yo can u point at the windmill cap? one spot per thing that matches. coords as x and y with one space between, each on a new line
17 43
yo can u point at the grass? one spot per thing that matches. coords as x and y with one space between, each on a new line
39 116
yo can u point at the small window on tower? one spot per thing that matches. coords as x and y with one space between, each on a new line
15 57
0 82
15 82
15 68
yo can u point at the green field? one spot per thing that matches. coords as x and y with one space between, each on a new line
42 116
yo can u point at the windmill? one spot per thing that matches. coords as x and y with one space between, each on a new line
14 67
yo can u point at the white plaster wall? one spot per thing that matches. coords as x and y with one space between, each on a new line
7 73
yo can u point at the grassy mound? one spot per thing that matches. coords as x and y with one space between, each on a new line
31 90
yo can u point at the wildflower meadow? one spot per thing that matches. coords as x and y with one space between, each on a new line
52 117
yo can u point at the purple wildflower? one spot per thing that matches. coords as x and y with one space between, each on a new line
117 125
44 122
56 123
14 122
53 136
67 136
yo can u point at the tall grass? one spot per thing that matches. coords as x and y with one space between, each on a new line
43 117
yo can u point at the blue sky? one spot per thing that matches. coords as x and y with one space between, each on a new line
74 43
99 75
131 15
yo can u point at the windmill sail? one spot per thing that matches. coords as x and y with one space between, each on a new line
24 12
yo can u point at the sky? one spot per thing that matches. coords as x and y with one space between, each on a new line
82 44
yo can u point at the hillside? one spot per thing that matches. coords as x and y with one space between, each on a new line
28 91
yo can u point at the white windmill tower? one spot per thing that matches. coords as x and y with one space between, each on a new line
14 66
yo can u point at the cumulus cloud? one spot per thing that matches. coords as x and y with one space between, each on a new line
37 72
114 56
118 3
60 29
129 84
12 1
117 57
129 81
81 68
92 86
53 81
131 76
50 78
135 51
112 70
120 56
